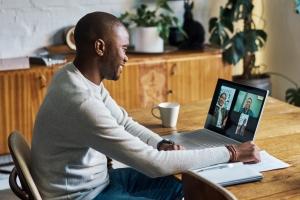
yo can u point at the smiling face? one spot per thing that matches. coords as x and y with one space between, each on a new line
222 99
114 57
248 103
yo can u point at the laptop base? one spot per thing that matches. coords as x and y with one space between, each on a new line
200 139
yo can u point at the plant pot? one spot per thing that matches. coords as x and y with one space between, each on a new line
262 81
146 39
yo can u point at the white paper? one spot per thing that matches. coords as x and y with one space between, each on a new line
268 162
234 173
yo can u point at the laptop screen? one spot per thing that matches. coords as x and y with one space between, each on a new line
235 110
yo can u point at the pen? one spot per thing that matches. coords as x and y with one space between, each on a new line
221 166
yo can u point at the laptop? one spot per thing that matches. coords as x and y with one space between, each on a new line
233 117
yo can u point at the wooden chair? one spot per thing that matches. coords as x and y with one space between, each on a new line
198 188
20 152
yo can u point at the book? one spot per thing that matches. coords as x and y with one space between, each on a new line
48 59
14 63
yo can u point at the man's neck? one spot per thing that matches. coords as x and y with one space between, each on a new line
88 68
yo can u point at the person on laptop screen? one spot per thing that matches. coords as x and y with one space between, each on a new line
247 107
220 113
79 124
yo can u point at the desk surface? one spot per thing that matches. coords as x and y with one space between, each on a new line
278 134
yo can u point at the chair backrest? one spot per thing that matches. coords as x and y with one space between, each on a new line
196 187
21 155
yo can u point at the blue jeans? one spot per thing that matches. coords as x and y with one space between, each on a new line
129 184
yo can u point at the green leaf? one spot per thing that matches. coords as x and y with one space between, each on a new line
262 34
227 14
243 8
250 38
234 49
297 2
292 96
212 23
163 4
228 24
230 56
219 34
238 44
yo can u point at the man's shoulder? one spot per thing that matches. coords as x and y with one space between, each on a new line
251 112
67 85
66 76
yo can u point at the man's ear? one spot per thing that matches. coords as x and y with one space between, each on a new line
99 47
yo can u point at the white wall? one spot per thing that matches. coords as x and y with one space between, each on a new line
30 24
27 25
282 52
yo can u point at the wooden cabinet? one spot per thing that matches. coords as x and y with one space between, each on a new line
14 105
39 79
140 85
146 80
21 95
182 77
192 79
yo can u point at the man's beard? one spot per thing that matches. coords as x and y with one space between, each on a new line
116 75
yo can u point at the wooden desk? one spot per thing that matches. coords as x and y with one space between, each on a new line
278 134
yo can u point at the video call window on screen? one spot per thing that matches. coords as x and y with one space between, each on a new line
235 113
222 107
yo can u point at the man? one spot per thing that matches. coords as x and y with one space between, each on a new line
246 109
79 124
220 113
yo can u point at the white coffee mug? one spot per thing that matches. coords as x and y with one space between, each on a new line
168 113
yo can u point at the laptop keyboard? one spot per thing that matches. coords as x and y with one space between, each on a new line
198 140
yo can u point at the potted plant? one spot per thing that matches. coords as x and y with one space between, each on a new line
151 27
239 44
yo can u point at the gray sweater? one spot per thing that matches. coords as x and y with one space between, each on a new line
78 124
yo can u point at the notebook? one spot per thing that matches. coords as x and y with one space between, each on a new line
235 173
229 174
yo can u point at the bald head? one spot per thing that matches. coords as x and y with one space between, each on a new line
92 27
101 43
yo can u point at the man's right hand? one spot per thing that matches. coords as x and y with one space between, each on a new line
248 152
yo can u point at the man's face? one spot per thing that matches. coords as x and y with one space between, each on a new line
248 103
222 99
114 58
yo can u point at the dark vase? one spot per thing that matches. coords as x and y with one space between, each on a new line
262 81
175 36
